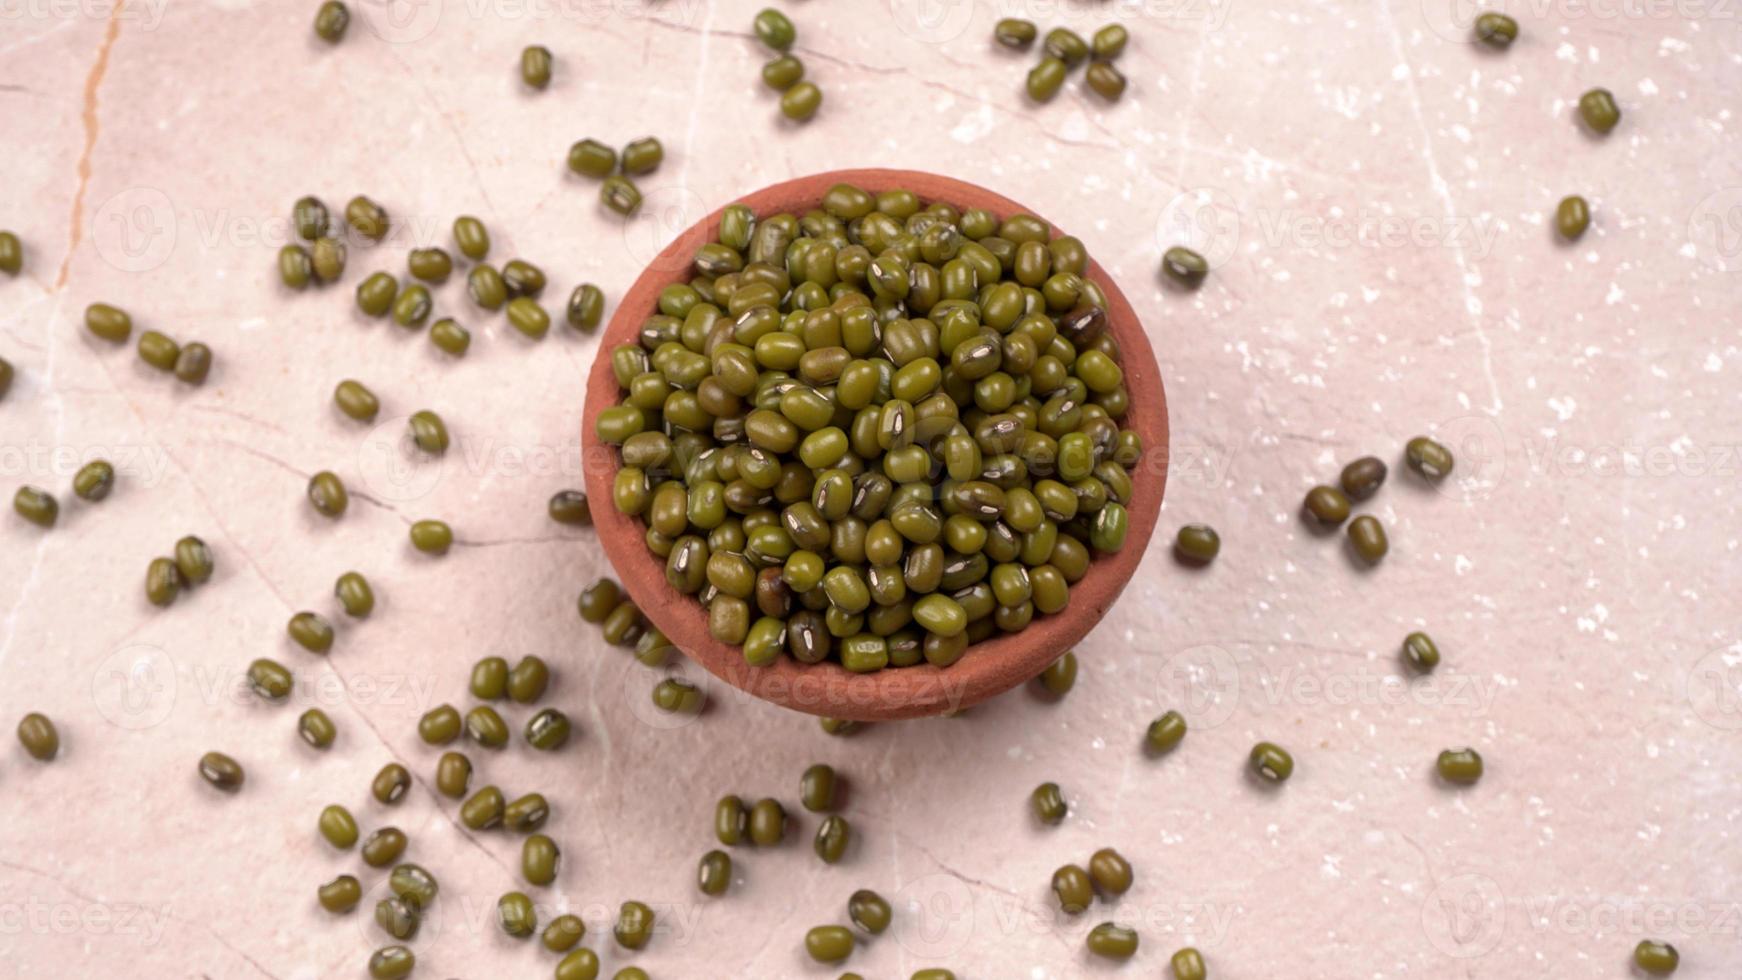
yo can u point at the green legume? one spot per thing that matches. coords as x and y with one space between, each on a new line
330 22
1367 538
634 925
412 306
431 537
528 680
1198 544
11 253
535 63
94 480
390 783
1271 762
193 561
311 632
1420 652
367 218
1110 872
316 728
1165 733
582 964
540 859
1073 889
586 307
1188 964
1327 506
818 788
429 264
383 847
310 217
767 823
774 29
270 679
108 322
222 771
327 258
714 873
355 595
428 432
1113 941
869 911
591 158
1427 457
514 912
340 895
193 363
731 820
453 775
1105 80
486 727
1598 109
548 730
1045 79
1496 30
36 506
449 337
440 725
158 350
483 809
338 827
526 316
801 102
1659 959
833 836
397 917
620 194
561 935
526 814
162 581
523 278
38 736
1048 803
678 697
782 73
1109 42
356 400
391 963
1184 266
295 266
599 599
484 284
642 156
1459 766
829 944
5 377
375 294
1571 217
471 237
1015 33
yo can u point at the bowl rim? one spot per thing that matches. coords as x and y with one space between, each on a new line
987 668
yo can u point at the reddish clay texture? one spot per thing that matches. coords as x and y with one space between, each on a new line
987 668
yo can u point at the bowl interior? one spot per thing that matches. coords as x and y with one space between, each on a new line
987 668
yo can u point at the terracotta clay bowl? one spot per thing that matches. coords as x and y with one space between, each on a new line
987 668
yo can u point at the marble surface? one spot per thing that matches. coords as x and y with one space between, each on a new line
1375 192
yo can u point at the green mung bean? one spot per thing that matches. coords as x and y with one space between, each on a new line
193 363
432 265
642 156
1659 959
367 218
355 595
1427 457
1188 964
330 22
1271 762
36 505
1459 765
774 29
390 783
38 736
453 775
1598 109
535 64
1048 804
714 873
222 771
340 895
634 925
193 559
1015 33
295 266
391 963
829 944
449 337
316 728
94 480
1367 539
1496 30
108 322
11 253
162 581
1571 217
620 194
471 237
801 102
311 631
431 537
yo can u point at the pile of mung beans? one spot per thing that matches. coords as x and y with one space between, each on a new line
800 98
841 418
1062 50
877 432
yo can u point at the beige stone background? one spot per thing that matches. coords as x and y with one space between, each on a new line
1375 192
